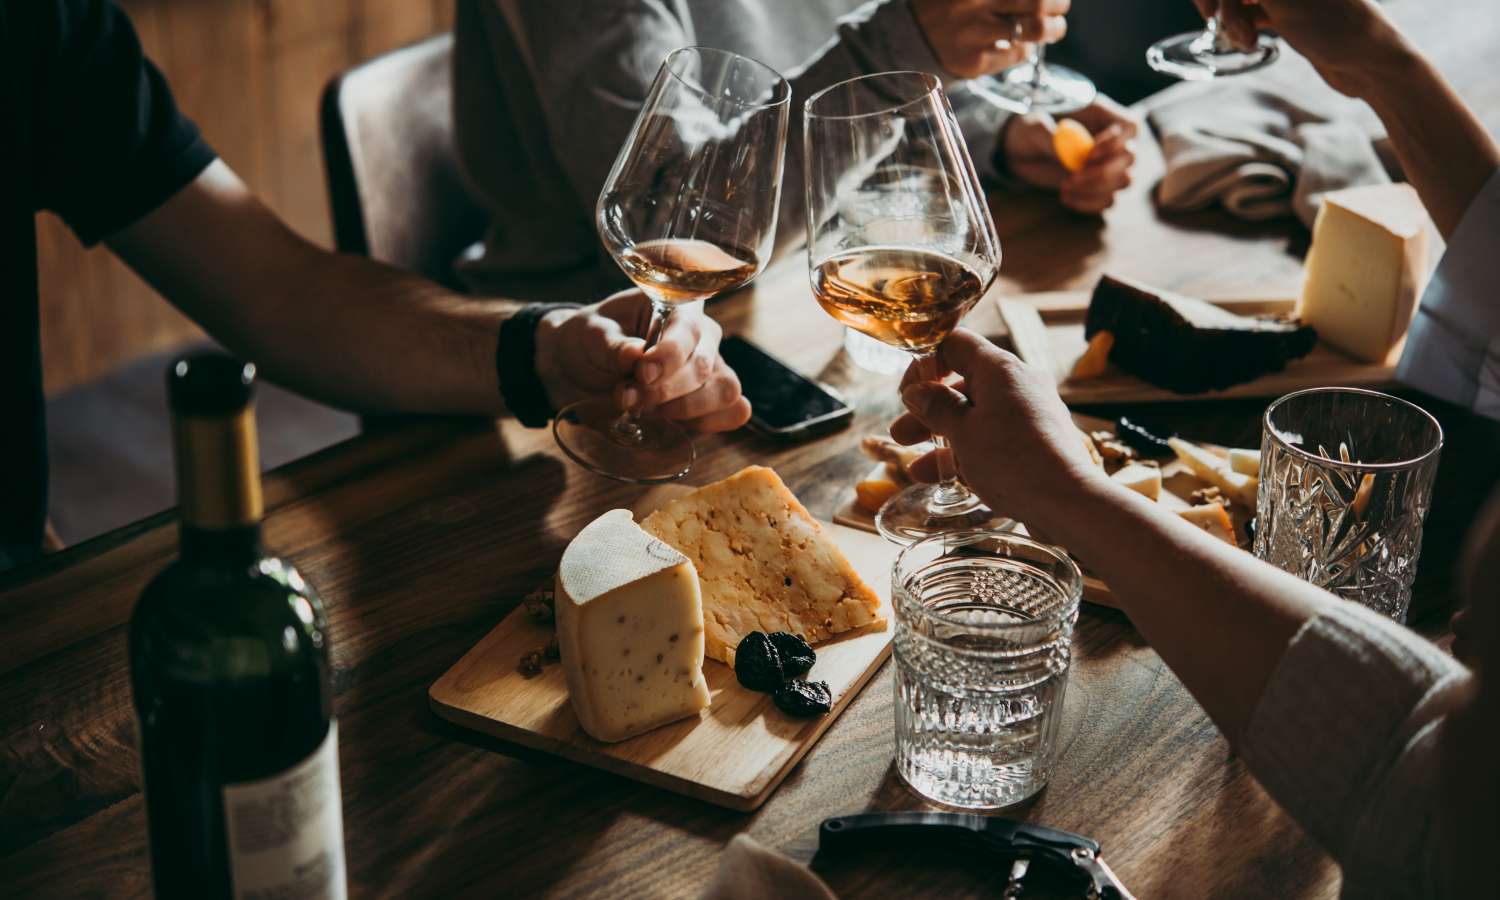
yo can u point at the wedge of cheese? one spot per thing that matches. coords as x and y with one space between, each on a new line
629 629
1216 471
1212 518
1366 269
764 563
1246 462
1144 480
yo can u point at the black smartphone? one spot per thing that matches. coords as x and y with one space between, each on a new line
785 403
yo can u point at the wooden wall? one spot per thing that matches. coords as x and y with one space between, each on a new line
250 73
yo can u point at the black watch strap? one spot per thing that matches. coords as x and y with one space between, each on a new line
515 362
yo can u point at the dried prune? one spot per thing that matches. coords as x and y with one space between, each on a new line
1143 439
797 656
757 663
804 699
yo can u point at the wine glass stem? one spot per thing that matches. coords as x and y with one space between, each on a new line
1218 37
627 426
1038 66
950 491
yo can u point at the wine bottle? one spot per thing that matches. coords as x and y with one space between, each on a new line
230 674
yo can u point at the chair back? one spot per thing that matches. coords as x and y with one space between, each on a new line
394 186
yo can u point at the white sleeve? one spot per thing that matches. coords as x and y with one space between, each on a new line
1453 349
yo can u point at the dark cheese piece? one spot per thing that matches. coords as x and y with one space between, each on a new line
1188 345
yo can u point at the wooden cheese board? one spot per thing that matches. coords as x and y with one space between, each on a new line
1177 485
1046 330
734 754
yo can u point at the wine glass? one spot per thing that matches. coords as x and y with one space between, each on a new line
688 212
1201 55
1033 85
900 245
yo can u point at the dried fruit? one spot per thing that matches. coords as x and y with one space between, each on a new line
1095 359
797 656
871 495
539 604
1072 143
1146 441
1111 449
757 663
530 665
804 699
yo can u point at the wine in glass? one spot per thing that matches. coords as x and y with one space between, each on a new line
688 212
900 245
1201 55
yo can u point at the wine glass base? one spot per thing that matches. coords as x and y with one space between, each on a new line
589 433
918 512
1059 90
1194 56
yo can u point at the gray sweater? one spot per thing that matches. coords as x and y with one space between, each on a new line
546 90
1345 739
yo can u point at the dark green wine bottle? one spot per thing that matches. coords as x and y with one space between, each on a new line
229 669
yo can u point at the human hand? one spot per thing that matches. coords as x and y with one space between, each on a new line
1030 156
600 349
1015 442
1343 39
971 38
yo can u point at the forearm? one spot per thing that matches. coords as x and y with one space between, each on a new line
362 335
1220 618
1444 149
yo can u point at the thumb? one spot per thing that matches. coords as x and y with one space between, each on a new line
939 407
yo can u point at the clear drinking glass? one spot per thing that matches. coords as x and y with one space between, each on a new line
984 628
1346 479
1034 85
1201 55
688 212
900 243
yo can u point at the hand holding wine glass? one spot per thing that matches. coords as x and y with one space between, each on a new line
900 243
687 212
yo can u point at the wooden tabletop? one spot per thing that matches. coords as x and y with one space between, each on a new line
421 540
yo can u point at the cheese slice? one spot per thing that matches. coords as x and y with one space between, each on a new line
1216 471
1246 462
1366 269
1212 518
764 563
629 629
1144 480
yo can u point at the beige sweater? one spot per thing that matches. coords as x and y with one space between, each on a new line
1345 739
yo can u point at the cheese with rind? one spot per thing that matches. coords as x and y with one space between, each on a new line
629 629
1366 268
764 563
1144 480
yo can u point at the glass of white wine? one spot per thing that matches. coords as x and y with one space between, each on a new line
900 245
1201 55
688 212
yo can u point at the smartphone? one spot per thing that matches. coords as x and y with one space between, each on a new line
786 404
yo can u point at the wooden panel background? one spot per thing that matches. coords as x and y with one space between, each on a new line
250 73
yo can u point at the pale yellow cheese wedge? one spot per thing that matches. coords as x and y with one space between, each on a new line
629 629
1144 480
1246 462
1216 471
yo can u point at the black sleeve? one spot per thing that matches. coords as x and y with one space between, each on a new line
109 143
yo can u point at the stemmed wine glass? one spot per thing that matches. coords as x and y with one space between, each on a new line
900 245
1201 55
1034 85
688 212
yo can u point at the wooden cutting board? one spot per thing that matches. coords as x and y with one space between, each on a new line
734 755
1046 330
1177 486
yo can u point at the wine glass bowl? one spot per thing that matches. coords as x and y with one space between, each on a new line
900 244
1201 55
688 212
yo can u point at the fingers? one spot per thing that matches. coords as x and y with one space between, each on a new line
908 430
1239 21
1092 189
717 392
929 468
936 406
963 351
728 419
1207 8
1104 113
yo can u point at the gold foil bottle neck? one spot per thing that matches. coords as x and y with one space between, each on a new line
218 469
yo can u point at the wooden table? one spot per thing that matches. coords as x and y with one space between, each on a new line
421 540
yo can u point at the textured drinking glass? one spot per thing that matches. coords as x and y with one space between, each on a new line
1346 479
984 624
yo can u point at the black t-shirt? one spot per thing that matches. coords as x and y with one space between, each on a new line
92 135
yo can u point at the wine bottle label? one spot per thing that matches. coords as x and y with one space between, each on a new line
286 832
